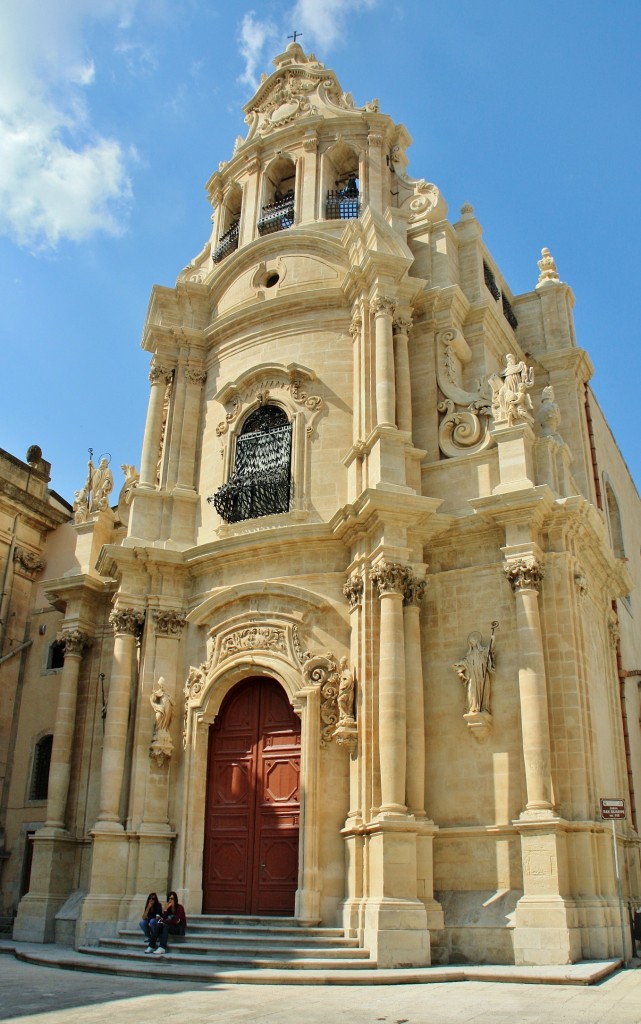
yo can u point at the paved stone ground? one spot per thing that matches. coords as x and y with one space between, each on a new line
43 995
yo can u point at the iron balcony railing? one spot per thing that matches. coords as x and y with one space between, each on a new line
277 216
343 204
228 243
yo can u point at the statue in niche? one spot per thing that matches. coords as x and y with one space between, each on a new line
161 747
475 671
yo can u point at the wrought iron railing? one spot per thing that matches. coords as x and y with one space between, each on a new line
343 204
261 483
277 216
228 243
508 313
490 282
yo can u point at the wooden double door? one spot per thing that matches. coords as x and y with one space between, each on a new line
250 863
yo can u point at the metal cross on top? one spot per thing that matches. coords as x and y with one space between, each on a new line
295 36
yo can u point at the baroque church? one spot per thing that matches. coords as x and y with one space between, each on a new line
356 643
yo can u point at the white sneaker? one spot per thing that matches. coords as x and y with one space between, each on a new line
160 951
149 949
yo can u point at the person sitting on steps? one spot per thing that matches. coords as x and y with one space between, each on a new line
153 909
171 922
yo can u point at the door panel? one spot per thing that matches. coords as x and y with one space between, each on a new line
253 804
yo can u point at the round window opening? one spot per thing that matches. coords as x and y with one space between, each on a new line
271 280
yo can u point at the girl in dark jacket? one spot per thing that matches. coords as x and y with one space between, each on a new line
153 909
172 922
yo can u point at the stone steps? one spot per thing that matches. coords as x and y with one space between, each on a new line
247 943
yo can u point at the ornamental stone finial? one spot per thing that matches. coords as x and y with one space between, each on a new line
548 273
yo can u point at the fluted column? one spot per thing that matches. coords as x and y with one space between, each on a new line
525 575
194 381
390 578
414 591
127 624
159 377
403 383
383 309
75 641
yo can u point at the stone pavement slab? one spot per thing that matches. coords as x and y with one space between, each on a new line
37 995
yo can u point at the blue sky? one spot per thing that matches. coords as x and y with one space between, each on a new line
114 113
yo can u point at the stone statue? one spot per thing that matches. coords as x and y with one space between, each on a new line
510 400
549 417
161 747
163 705
475 671
102 484
345 697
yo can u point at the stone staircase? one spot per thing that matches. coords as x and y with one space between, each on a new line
216 942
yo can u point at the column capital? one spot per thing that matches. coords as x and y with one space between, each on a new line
390 577
414 590
75 641
195 376
127 620
382 305
524 574
168 622
355 326
353 589
402 325
160 374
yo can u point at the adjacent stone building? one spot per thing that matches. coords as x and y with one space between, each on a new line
358 644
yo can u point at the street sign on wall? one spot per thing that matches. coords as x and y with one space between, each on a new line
611 809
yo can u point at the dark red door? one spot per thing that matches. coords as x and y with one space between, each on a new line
250 863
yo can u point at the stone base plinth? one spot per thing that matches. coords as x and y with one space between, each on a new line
52 872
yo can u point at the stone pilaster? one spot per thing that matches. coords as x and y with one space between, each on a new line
75 642
391 579
415 772
159 378
194 382
382 308
401 328
127 624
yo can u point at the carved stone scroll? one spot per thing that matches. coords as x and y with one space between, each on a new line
336 684
464 429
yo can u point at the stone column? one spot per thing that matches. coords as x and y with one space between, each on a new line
127 624
414 591
382 308
391 579
525 575
403 382
194 381
159 377
251 202
75 641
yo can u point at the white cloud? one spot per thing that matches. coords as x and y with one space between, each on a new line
59 178
254 37
324 22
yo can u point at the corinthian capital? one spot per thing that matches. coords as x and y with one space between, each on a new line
74 640
414 589
195 376
402 325
382 304
390 577
353 589
160 375
524 574
127 620
168 622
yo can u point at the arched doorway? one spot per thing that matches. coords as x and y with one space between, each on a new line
252 811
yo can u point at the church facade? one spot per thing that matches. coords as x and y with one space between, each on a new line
357 643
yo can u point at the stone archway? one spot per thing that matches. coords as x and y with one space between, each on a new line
252 806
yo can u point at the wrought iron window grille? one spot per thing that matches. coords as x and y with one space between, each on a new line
508 313
228 242
260 484
277 216
41 765
490 282
344 203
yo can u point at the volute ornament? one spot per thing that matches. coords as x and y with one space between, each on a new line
464 428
